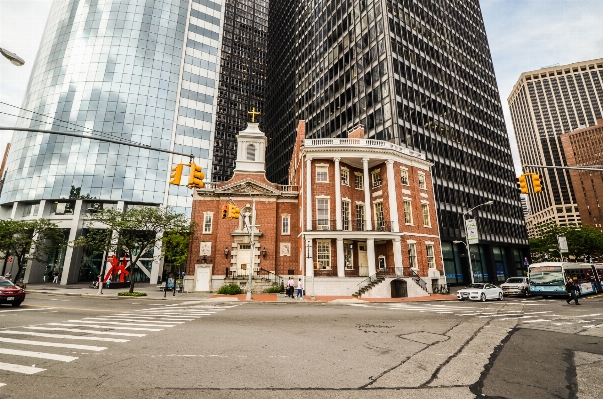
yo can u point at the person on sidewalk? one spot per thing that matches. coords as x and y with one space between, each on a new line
571 288
55 279
290 287
108 283
300 289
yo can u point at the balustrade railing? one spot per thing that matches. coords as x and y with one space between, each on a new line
350 225
362 143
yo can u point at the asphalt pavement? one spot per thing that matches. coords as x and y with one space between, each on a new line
60 346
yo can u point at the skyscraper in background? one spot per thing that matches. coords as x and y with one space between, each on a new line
544 104
415 73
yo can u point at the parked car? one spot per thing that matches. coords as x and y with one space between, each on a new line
480 292
10 293
516 286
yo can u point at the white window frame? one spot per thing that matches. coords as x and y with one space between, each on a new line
426 214
358 181
422 181
328 219
345 176
376 178
404 177
348 254
287 231
360 220
206 216
430 257
379 215
379 259
346 216
320 169
323 254
412 255
407 212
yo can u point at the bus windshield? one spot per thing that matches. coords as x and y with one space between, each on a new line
546 278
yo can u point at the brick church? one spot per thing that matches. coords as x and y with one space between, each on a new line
357 218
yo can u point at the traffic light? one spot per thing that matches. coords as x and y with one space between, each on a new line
233 211
225 211
523 184
195 179
536 183
176 174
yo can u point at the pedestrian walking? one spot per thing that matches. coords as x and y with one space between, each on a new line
55 278
291 287
108 283
300 289
571 288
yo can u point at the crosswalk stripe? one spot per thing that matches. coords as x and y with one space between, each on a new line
1 385
17 368
22 310
106 327
39 355
120 334
63 336
52 344
154 317
122 324
150 321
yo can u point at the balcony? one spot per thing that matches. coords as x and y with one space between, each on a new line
362 144
351 225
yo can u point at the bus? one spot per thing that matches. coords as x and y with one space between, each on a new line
548 278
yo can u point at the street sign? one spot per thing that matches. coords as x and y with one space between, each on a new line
472 233
562 244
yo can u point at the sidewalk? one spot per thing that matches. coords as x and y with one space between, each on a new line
154 293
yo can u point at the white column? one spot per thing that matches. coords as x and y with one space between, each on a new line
309 199
370 253
309 257
391 193
157 265
337 194
367 197
398 257
13 211
340 258
69 269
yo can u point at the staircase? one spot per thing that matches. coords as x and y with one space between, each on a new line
418 280
370 282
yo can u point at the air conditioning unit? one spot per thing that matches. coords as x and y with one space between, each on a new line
320 227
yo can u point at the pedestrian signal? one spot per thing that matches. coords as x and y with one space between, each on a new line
176 174
224 211
195 179
233 212
536 185
523 184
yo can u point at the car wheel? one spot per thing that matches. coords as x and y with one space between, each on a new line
500 296
483 298
15 304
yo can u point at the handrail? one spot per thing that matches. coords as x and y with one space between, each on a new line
272 276
417 279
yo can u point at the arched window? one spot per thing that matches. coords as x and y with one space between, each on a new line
251 152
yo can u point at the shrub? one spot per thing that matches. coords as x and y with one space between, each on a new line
230 289
275 289
132 294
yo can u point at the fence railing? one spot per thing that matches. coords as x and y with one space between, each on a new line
271 276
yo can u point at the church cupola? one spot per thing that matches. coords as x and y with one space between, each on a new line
251 148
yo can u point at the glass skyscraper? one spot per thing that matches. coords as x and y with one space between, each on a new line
417 73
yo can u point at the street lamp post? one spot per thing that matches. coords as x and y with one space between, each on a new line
466 243
250 219
12 57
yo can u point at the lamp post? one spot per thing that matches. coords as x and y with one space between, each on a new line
250 221
12 57
466 243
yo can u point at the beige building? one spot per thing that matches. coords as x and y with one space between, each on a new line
544 104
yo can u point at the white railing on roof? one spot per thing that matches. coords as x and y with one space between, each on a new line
386 145
288 188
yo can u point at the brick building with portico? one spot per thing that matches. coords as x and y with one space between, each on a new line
358 213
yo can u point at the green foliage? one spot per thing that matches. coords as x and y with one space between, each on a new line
29 240
137 231
230 289
275 289
176 243
135 293
583 242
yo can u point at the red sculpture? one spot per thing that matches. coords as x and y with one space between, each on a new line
117 267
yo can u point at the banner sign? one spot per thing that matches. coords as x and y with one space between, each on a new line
562 244
472 233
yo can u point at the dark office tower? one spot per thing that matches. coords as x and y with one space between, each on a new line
416 73
242 78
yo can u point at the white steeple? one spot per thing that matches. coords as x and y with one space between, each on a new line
251 150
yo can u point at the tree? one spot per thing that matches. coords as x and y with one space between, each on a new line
29 240
176 245
135 232
583 242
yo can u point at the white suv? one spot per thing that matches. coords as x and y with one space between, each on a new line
516 286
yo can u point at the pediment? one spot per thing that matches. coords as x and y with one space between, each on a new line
247 186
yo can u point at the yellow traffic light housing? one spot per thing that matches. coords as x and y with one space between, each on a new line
176 174
225 211
523 184
536 185
195 179
233 211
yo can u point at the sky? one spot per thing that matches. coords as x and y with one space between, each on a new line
523 35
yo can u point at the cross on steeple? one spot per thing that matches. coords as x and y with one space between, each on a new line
253 113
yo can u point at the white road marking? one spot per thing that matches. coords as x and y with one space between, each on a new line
17 368
106 327
535 321
52 344
63 336
22 310
1 385
122 324
122 334
135 320
39 355
152 317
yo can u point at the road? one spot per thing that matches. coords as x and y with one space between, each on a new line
87 347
